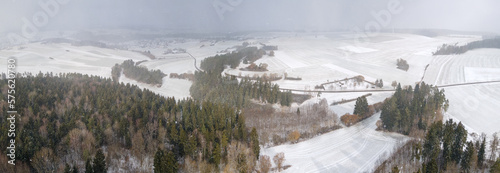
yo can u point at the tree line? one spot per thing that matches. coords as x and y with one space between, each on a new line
138 73
211 85
445 148
410 110
217 63
227 89
447 49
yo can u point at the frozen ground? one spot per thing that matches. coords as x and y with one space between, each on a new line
316 58
353 149
64 58
177 88
474 105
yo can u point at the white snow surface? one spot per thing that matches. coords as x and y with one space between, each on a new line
473 105
353 149
357 49
316 58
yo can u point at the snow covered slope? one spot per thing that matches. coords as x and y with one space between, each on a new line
353 149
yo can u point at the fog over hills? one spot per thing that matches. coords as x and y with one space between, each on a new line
245 15
228 85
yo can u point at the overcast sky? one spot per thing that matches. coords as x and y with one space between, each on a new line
240 15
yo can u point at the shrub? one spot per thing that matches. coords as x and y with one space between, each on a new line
279 159
402 64
294 136
349 119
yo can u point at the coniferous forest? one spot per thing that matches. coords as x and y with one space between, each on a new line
68 121
217 63
446 49
217 88
138 73
436 146
211 85
445 148
413 110
255 97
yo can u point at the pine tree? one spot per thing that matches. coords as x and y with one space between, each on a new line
88 166
67 168
242 163
216 154
75 169
448 137
495 168
158 161
467 157
361 107
395 169
174 137
432 166
254 138
481 153
164 161
459 142
171 162
99 165
432 146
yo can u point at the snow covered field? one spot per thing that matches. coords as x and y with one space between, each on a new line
353 149
64 58
474 105
316 58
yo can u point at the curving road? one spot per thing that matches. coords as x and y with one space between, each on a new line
194 62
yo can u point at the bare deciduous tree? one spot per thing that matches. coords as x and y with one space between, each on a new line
265 164
494 146
44 160
279 159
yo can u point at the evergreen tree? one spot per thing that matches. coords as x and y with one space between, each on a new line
448 137
459 142
165 162
67 168
395 169
99 165
242 163
432 146
467 157
88 166
481 154
361 107
254 139
158 161
495 168
172 165
431 166
75 169
216 154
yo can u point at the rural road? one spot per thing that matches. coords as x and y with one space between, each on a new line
194 62
389 90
